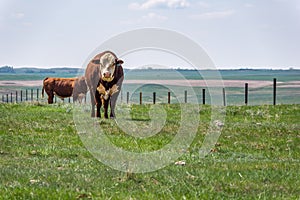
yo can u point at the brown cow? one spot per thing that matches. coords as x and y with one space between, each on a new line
104 72
64 87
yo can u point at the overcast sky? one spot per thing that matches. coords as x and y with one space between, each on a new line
234 33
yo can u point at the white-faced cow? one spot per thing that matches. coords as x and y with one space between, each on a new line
104 76
64 87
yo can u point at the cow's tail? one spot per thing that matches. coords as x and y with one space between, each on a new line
43 87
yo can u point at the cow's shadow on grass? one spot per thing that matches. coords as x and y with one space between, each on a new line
138 119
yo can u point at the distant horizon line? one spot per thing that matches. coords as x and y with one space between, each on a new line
175 68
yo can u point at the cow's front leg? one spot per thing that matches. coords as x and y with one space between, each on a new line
98 104
106 102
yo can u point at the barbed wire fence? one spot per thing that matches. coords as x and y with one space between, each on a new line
247 95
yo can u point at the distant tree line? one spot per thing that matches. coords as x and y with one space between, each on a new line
7 69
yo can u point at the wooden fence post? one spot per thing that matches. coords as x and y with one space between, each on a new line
246 93
37 94
141 98
127 97
11 97
21 95
203 96
169 97
154 97
6 98
31 94
26 95
274 91
224 97
16 96
185 96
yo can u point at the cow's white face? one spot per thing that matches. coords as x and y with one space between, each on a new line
107 66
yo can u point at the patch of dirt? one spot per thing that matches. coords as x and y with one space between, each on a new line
37 83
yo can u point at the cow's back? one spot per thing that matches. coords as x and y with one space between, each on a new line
62 87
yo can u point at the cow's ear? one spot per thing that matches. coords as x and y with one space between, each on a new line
96 61
119 62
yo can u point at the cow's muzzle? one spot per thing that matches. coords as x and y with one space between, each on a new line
109 79
106 74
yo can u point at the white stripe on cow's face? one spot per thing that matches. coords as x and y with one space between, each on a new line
107 66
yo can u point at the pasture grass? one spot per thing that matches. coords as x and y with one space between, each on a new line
256 157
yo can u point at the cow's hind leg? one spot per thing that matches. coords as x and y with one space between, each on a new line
113 102
93 99
50 97
98 113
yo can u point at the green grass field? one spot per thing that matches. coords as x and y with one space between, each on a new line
256 157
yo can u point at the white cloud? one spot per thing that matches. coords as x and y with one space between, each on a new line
203 4
27 24
213 15
148 18
18 15
153 16
249 5
170 4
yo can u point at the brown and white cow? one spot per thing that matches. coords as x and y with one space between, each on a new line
104 76
64 87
